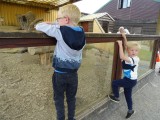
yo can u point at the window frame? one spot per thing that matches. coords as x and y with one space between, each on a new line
124 4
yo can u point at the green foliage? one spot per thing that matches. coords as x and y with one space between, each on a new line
145 55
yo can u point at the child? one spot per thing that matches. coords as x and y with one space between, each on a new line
67 57
130 66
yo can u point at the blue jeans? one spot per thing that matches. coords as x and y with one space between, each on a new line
65 83
127 84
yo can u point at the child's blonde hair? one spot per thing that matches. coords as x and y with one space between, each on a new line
71 11
133 44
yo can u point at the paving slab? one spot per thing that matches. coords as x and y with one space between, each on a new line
146 103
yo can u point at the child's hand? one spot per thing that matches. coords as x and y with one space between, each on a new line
121 30
123 34
119 42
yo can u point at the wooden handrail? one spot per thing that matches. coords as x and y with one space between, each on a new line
29 39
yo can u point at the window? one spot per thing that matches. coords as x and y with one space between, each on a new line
124 4
105 26
136 30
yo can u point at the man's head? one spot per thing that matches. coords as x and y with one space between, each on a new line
69 15
133 49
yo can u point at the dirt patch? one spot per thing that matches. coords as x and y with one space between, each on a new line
26 87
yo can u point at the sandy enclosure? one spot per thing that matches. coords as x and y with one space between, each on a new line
26 86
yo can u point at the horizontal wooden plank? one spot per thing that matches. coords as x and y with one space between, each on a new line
26 42
30 39
49 4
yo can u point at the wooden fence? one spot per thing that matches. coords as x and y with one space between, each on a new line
31 39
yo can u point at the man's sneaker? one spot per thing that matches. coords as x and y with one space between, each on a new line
129 114
114 99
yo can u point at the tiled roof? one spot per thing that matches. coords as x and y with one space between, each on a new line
157 0
91 17
41 3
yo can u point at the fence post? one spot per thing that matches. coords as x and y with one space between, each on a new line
116 67
154 53
156 46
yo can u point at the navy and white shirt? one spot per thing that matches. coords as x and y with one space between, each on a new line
130 68
70 43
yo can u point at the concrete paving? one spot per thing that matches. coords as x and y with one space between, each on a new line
146 103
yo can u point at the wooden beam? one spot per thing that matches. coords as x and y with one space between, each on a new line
158 25
26 42
156 46
154 53
47 6
30 39
116 63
